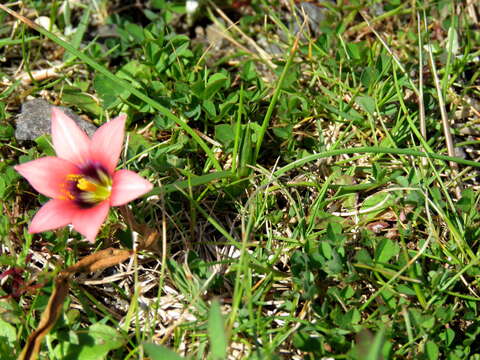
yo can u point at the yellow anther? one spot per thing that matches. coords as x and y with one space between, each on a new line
85 185
73 177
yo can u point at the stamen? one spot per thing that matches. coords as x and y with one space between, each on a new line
89 187
85 185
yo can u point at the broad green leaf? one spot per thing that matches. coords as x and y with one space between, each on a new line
45 145
135 31
306 340
284 132
214 84
3 186
386 250
375 348
367 103
7 332
216 332
369 76
209 107
431 349
225 134
326 250
110 93
157 352
94 344
75 97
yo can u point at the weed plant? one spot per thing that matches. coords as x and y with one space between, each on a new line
308 203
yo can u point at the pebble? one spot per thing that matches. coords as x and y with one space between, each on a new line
35 119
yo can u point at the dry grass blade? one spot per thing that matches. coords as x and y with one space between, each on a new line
443 112
421 104
261 53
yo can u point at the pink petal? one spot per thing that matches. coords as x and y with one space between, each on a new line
54 214
70 142
107 143
47 175
88 221
127 186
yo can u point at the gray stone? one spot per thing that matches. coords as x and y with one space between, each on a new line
315 16
35 120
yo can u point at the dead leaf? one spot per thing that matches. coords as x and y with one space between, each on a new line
48 319
94 262
100 260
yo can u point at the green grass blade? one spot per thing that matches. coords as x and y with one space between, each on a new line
193 181
373 150
216 332
273 102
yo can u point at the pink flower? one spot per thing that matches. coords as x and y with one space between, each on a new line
81 179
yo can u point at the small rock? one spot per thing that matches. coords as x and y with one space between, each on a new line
315 16
35 120
215 36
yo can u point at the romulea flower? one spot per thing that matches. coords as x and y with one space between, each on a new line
81 179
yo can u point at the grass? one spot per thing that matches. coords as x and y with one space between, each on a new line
307 205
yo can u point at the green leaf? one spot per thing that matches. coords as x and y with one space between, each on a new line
95 344
431 350
369 76
157 352
74 96
135 31
209 107
7 332
193 181
448 336
6 131
3 187
363 257
367 103
225 134
248 72
326 250
45 145
452 41
284 132
467 200
334 233
404 289
110 93
302 340
375 347
386 250
215 83
216 332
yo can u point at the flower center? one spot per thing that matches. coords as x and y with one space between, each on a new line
89 187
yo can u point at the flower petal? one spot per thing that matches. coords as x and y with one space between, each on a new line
47 175
70 142
54 214
88 221
107 143
127 186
